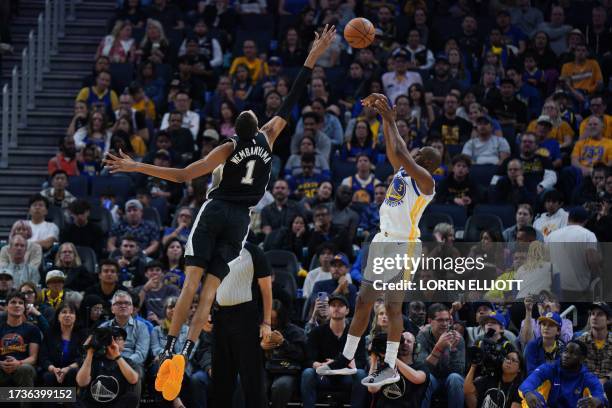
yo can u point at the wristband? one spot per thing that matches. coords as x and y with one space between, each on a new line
267 324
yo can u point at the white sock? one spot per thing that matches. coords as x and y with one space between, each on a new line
391 353
350 347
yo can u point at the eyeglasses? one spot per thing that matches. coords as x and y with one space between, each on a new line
27 293
513 360
97 309
126 303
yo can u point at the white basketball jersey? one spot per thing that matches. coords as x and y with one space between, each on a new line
403 207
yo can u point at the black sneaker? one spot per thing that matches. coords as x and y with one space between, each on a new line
339 366
382 376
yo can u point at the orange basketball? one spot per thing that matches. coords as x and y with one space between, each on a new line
359 32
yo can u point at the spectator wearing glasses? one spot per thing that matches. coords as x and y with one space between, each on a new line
443 352
598 109
19 346
37 313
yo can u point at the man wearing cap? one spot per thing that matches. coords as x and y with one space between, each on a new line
441 83
508 109
494 326
108 377
575 256
398 81
323 344
599 343
53 295
513 35
548 347
339 283
191 120
6 286
487 148
209 140
133 224
567 383
19 345
482 310
153 293
549 146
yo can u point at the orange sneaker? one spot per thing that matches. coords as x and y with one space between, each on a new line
172 386
163 374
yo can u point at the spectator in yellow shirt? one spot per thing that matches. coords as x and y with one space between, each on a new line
582 75
593 149
258 68
141 102
561 131
100 93
598 108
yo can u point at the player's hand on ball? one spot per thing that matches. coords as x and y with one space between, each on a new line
120 164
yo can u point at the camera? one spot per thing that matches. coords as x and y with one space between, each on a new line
488 354
102 337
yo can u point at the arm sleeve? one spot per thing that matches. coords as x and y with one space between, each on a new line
296 91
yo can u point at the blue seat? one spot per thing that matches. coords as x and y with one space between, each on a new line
481 174
151 214
428 223
120 186
121 76
78 186
256 22
457 213
481 222
505 212
56 216
101 217
383 170
88 258
285 266
261 37
341 169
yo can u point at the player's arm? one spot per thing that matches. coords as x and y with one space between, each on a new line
396 149
275 126
200 168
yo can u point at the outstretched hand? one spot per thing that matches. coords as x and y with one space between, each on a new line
120 164
387 112
322 42
370 99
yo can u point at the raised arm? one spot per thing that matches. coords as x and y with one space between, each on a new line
275 126
396 149
200 168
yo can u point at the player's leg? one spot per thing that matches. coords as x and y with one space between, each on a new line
207 296
363 308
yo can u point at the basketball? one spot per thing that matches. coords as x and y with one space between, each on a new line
359 32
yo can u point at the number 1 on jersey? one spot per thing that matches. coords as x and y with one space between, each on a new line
248 177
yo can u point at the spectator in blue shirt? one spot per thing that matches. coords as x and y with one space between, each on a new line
548 347
549 147
567 383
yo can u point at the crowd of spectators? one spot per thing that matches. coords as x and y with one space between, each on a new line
514 95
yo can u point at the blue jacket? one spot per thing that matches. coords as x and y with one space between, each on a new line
535 356
562 389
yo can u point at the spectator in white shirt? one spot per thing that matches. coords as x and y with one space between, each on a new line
398 81
575 256
191 120
486 148
44 233
555 217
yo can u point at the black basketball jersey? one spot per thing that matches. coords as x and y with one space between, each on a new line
245 174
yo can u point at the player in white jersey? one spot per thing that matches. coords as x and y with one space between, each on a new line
410 191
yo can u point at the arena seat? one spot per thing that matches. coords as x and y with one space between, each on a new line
102 218
256 22
341 169
78 186
88 259
121 76
120 186
457 213
504 211
480 222
383 170
56 216
429 220
481 174
285 266
151 214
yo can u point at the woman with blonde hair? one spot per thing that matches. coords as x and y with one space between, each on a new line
561 130
68 261
380 323
33 255
119 46
154 47
536 272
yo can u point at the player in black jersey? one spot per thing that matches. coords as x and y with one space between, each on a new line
241 171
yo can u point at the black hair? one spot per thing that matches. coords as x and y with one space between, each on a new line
16 294
282 317
129 237
553 195
436 308
111 262
462 158
38 197
246 126
583 348
312 115
163 258
530 231
326 246
308 158
55 323
59 171
154 264
79 206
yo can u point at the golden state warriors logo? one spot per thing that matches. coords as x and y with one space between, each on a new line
396 192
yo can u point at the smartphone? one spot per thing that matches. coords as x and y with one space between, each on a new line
322 297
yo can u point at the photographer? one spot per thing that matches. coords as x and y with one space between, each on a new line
493 345
500 390
442 350
414 376
105 375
